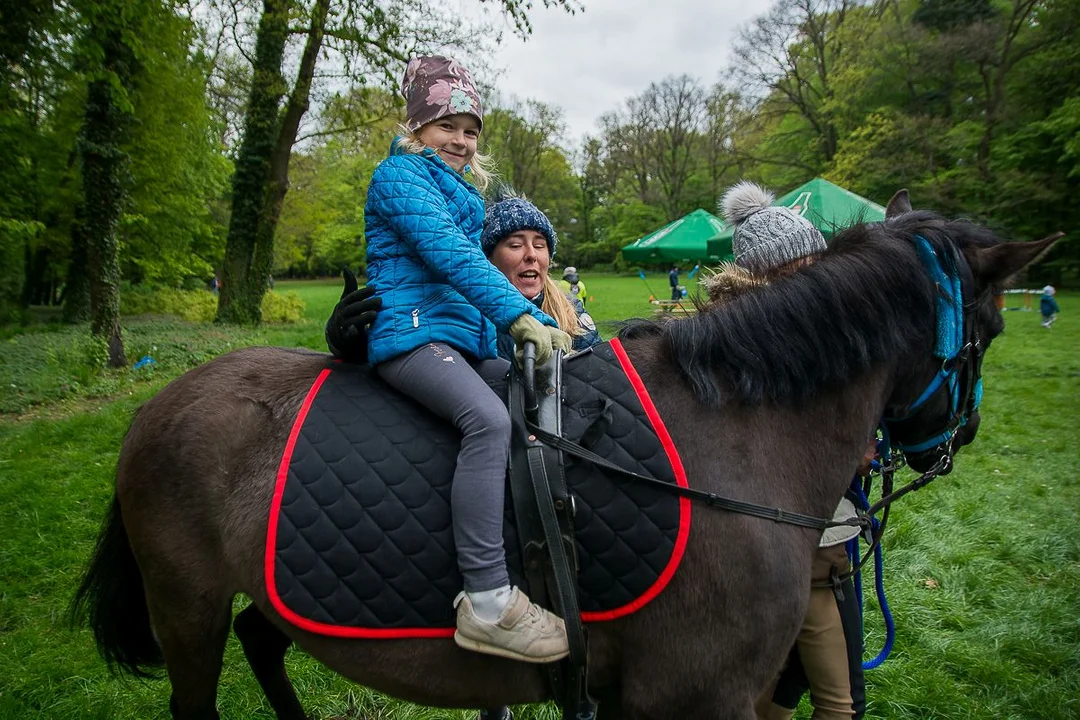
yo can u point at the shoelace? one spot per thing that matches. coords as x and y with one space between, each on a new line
536 616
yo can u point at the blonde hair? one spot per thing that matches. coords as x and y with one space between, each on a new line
482 167
558 306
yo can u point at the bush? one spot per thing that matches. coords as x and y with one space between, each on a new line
191 305
286 307
201 305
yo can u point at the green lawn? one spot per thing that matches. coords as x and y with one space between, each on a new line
982 567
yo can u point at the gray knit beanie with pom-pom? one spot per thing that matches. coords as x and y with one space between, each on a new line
766 237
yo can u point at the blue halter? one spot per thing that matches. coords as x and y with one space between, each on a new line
950 346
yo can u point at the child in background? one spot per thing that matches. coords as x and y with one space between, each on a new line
435 339
1048 305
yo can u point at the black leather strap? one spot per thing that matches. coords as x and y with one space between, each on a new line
747 508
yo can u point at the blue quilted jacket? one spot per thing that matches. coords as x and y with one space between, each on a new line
423 223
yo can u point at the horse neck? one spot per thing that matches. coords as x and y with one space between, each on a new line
797 456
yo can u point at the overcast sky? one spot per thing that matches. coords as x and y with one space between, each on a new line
590 63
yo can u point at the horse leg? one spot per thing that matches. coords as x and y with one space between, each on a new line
608 704
191 629
264 647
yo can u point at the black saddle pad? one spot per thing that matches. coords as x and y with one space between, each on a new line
360 542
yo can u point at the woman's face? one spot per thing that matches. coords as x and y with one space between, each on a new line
453 137
524 259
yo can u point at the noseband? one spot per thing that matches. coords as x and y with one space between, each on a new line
960 350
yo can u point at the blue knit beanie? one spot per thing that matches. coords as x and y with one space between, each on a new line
511 214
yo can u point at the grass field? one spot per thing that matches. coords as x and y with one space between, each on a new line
982 567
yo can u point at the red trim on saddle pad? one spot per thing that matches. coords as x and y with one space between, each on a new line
680 478
271 547
269 557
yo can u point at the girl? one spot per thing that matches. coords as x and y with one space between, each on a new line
434 341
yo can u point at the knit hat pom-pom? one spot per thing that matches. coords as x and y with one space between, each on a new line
501 191
743 200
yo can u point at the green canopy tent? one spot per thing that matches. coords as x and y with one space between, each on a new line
829 207
684 239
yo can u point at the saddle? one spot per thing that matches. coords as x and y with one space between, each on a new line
359 539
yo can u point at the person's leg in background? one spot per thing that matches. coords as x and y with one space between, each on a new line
830 642
827 657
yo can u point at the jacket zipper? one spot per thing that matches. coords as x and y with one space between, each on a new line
416 318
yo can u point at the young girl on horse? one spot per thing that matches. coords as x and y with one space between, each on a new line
443 304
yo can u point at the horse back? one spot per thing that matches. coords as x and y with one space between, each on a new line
198 461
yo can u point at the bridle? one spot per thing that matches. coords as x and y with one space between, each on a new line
960 349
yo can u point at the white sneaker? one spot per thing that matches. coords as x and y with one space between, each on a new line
524 631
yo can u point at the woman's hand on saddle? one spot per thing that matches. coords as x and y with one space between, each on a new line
546 338
346 330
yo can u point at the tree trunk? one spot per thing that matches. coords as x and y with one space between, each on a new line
76 299
104 177
262 169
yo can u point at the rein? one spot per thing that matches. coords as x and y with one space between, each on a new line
711 499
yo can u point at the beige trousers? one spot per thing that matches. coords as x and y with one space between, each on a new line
822 648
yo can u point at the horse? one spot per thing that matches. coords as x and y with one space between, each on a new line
770 398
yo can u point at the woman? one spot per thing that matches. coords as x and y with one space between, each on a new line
520 241
769 242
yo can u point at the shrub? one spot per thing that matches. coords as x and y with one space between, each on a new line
192 305
201 306
278 307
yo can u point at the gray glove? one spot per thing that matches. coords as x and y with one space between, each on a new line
546 338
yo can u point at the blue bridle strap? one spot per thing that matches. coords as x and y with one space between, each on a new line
948 342
949 305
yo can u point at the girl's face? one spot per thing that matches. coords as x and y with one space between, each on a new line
524 259
453 137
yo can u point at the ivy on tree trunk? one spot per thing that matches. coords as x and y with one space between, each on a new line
104 179
262 168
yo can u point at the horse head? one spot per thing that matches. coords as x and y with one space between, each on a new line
964 264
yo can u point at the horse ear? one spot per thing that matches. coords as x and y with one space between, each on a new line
994 264
898 205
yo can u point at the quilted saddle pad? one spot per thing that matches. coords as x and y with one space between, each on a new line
359 541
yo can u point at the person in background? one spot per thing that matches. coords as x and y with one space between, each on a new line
573 285
673 281
1048 306
435 338
770 242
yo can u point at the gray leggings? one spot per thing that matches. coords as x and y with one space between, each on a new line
442 380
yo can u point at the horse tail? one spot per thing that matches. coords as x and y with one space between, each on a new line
111 601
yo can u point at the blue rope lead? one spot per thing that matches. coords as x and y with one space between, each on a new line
879 586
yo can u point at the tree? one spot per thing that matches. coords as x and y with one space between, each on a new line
106 123
517 138
372 38
723 117
678 104
786 59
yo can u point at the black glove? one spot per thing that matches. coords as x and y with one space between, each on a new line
346 330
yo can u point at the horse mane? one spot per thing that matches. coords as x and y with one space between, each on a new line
867 299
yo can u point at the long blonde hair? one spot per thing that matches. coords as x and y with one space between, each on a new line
558 306
481 166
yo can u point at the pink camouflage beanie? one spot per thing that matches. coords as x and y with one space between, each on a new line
435 86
